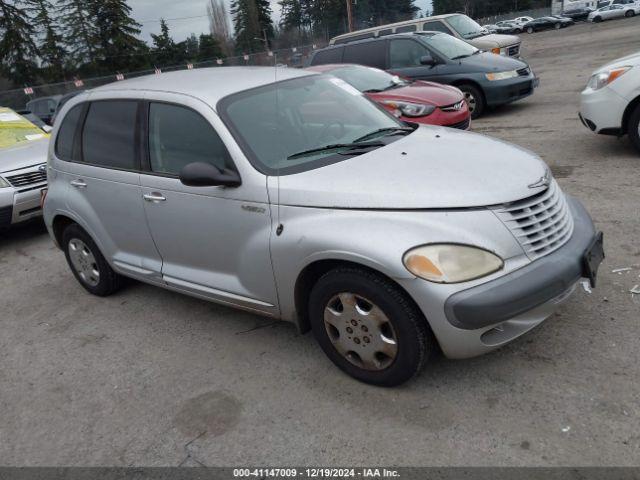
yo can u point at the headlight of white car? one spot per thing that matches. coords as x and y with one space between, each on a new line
602 79
451 263
409 109
4 183
501 75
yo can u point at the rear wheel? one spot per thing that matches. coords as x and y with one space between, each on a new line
597 19
368 327
557 26
634 128
630 13
530 30
88 264
474 98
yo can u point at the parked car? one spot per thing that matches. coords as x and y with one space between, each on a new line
23 174
35 120
63 100
507 26
564 21
487 80
578 14
490 28
409 100
44 107
456 25
300 199
543 23
612 12
522 20
610 104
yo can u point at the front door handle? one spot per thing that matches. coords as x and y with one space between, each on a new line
154 197
79 183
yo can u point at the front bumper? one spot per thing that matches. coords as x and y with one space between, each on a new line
506 91
601 111
479 319
19 205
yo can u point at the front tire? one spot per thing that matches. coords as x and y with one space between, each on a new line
630 14
88 264
530 30
633 128
557 26
368 327
474 98
597 19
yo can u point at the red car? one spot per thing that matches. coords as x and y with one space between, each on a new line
414 101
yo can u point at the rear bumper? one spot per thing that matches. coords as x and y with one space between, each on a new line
507 91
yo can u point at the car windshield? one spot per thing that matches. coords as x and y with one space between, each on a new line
275 123
368 79
466 27
451 47
15 129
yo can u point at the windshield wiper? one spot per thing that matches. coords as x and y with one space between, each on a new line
388 131
337 146
461 56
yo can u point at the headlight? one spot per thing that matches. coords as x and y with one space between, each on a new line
602 79
409 109
4 183
449 263
501 75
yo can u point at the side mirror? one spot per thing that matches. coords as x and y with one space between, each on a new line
427 60
201 174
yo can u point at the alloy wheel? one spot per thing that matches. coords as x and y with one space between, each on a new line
471 101
360 331
84 262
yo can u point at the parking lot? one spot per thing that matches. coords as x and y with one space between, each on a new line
151 377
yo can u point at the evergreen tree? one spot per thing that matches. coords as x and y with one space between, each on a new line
164 48
78 30
252 23
117 46
18 50
208 49
52 53
191 47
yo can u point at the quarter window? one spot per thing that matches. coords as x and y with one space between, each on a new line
109 135
406 53
179 136
368 53
67 134
436 27
330 55
406 29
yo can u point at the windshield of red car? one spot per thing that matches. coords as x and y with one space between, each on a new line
367 79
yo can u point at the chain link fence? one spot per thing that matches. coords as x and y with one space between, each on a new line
295 57
535 13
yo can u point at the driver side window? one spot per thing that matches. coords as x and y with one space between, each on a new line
406 53
179 136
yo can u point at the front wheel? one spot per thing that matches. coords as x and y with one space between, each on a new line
474 98
634 128
530 30
518 30
557 26
88 264
630 14
368 327
597 19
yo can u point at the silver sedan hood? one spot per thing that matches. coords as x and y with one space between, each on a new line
22 155
434 167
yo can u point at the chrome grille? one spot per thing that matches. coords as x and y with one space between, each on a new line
513 50
524 72
541 223
28 178
456 107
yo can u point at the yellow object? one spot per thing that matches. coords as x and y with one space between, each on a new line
15 129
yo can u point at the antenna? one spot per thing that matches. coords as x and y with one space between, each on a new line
275 79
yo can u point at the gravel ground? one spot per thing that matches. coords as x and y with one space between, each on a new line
149 377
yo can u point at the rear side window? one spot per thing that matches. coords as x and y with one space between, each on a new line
406 29
436 27
405 53
67 134
386 31
179 136
109 135
370 53
330 55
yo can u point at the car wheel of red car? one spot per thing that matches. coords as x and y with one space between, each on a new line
474 98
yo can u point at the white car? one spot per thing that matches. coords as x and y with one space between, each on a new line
522 20
610 105
614 11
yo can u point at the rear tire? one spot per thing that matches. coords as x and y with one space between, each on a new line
530 30
474 98
557 26
369 327
88 264
634 128
597 19
630 14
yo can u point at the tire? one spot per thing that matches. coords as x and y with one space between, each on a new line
630 14
518 30
350 341
557 26
475 99
597 19
530 30
633 128
88 264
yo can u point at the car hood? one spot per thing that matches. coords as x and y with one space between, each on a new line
490 62
22 155
494 40
632 60
422 92
434 167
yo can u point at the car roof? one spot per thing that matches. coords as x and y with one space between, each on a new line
420 33
329 67
395 25
207 84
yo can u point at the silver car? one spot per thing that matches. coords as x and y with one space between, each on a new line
289 194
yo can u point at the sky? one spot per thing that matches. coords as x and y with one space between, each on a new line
187 16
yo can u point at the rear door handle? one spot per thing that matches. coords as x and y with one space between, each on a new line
79 183
154 197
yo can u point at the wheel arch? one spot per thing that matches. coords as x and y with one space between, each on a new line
58 225
473 83
626 116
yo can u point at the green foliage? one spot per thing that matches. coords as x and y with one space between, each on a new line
18 50
252 23
209 49
52 52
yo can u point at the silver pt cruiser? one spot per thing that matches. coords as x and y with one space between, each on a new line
289 194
